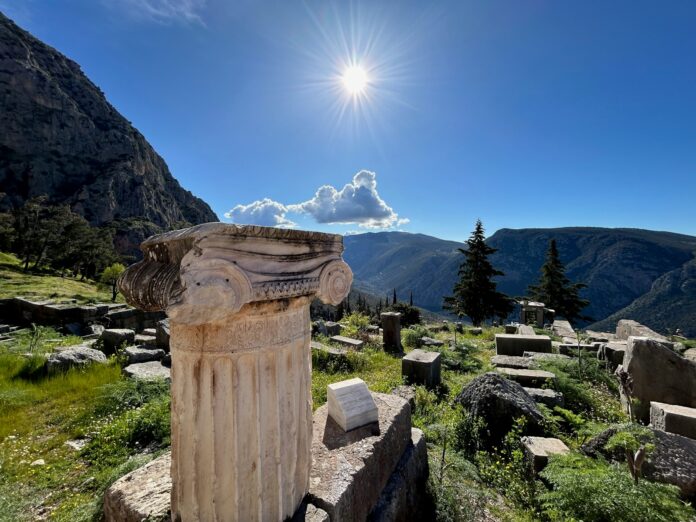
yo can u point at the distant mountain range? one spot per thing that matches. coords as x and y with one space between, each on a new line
644 275
60 137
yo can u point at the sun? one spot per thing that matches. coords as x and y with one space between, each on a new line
355 80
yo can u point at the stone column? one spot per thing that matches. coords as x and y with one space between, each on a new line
238 302
391 331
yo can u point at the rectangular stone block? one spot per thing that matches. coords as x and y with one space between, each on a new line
351 469
512 361
347 341
333 328
530 378
538 450
671 418
507 344
422 367
510 329
350 404
546 396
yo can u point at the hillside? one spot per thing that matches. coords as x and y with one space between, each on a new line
618 265
61 138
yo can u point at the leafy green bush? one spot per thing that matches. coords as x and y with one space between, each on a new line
411 337
410 315
355 324
589 489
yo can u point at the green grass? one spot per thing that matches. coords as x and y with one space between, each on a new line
39 413
39 286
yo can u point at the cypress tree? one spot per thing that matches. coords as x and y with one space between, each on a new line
475 294
410 300
394 298
556 291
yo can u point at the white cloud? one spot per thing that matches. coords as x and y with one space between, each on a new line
162 11
265 212
356 203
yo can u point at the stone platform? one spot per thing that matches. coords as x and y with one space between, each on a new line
377 472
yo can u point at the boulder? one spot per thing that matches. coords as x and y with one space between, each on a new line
659 375
72 357
114 338
673 461
499 401
93 330
162 334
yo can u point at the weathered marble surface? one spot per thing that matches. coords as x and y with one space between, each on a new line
351 404
237 298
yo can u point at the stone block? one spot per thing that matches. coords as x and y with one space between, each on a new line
507 344
528 378
391 331
671 418
474 331
429 341
537 356
145 340
659 375
348 341
73 356
422 367
511 329
147 370
538 450
136 354
546 396
563 328
626 328
162 334
525 329
143 494
336 354
512 361
572 348
690 354
408 393
150 331
332 328
114 338
351 469
350 404
405 496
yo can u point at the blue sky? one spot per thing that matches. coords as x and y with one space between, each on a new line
521 113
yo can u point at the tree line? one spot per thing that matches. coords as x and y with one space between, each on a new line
475 294
45 235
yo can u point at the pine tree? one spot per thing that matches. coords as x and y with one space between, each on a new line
556 291
394 298
475 294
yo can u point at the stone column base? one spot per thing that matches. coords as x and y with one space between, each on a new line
376 473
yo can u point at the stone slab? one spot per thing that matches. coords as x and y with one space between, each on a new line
537 356
351 469
546 396
150 331
525 329
143 494
422 367
136 354
508 344
528 378
626 328
405 495
429 341
113 338
512 361
146 340
350 404
332 351
563 328
671 418
147 370
539 449
348 341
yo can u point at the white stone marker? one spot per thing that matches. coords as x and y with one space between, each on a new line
238 301
351 404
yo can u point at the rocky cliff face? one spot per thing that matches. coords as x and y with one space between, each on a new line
61 138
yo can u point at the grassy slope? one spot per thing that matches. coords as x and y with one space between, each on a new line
15 282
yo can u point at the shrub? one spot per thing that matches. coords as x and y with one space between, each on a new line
588 489
410 315
411 337
355 324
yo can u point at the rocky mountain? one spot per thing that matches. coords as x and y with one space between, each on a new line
645 275
61 138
